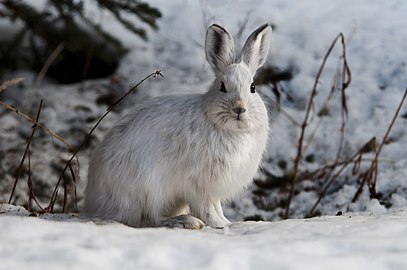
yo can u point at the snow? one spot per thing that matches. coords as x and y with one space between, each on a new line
377 241
370 235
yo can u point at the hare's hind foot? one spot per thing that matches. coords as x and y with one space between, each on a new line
183 222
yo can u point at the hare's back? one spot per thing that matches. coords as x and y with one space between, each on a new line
156 124
162 112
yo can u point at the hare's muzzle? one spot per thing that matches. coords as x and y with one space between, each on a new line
239 110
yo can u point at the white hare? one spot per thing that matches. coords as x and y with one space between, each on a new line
172 160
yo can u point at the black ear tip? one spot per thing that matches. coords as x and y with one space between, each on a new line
264 26
218 27
259 30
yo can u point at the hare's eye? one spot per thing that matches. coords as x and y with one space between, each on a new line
252 88
223 88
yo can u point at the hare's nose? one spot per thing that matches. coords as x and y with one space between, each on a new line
239 110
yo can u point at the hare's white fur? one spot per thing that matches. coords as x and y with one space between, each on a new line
177 156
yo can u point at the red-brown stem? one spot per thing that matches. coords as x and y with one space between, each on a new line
25 153
372 171
51 204
299 155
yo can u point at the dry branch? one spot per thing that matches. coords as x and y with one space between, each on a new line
54 196
356 160
370 177
346 79
25 154
9 83
48 63
31 195
36 123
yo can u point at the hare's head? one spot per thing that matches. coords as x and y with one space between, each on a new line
232 101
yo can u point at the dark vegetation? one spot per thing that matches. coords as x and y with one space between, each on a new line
79 48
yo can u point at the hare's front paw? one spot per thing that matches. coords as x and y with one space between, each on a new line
217 223
183 222
211 214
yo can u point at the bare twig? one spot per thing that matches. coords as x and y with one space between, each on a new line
346 80
393 121
9 83
31 195
74 188
49 131
370 177
355 159
51 204
305 123
4 86
25 154
29 182
48 63
36 123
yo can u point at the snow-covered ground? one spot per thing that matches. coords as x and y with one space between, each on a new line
376 34
371 242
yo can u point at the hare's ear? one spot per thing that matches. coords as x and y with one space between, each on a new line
219 48
256 48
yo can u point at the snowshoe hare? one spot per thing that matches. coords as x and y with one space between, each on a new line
172 160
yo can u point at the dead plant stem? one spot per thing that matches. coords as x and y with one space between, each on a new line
25 154
51 204
305 123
